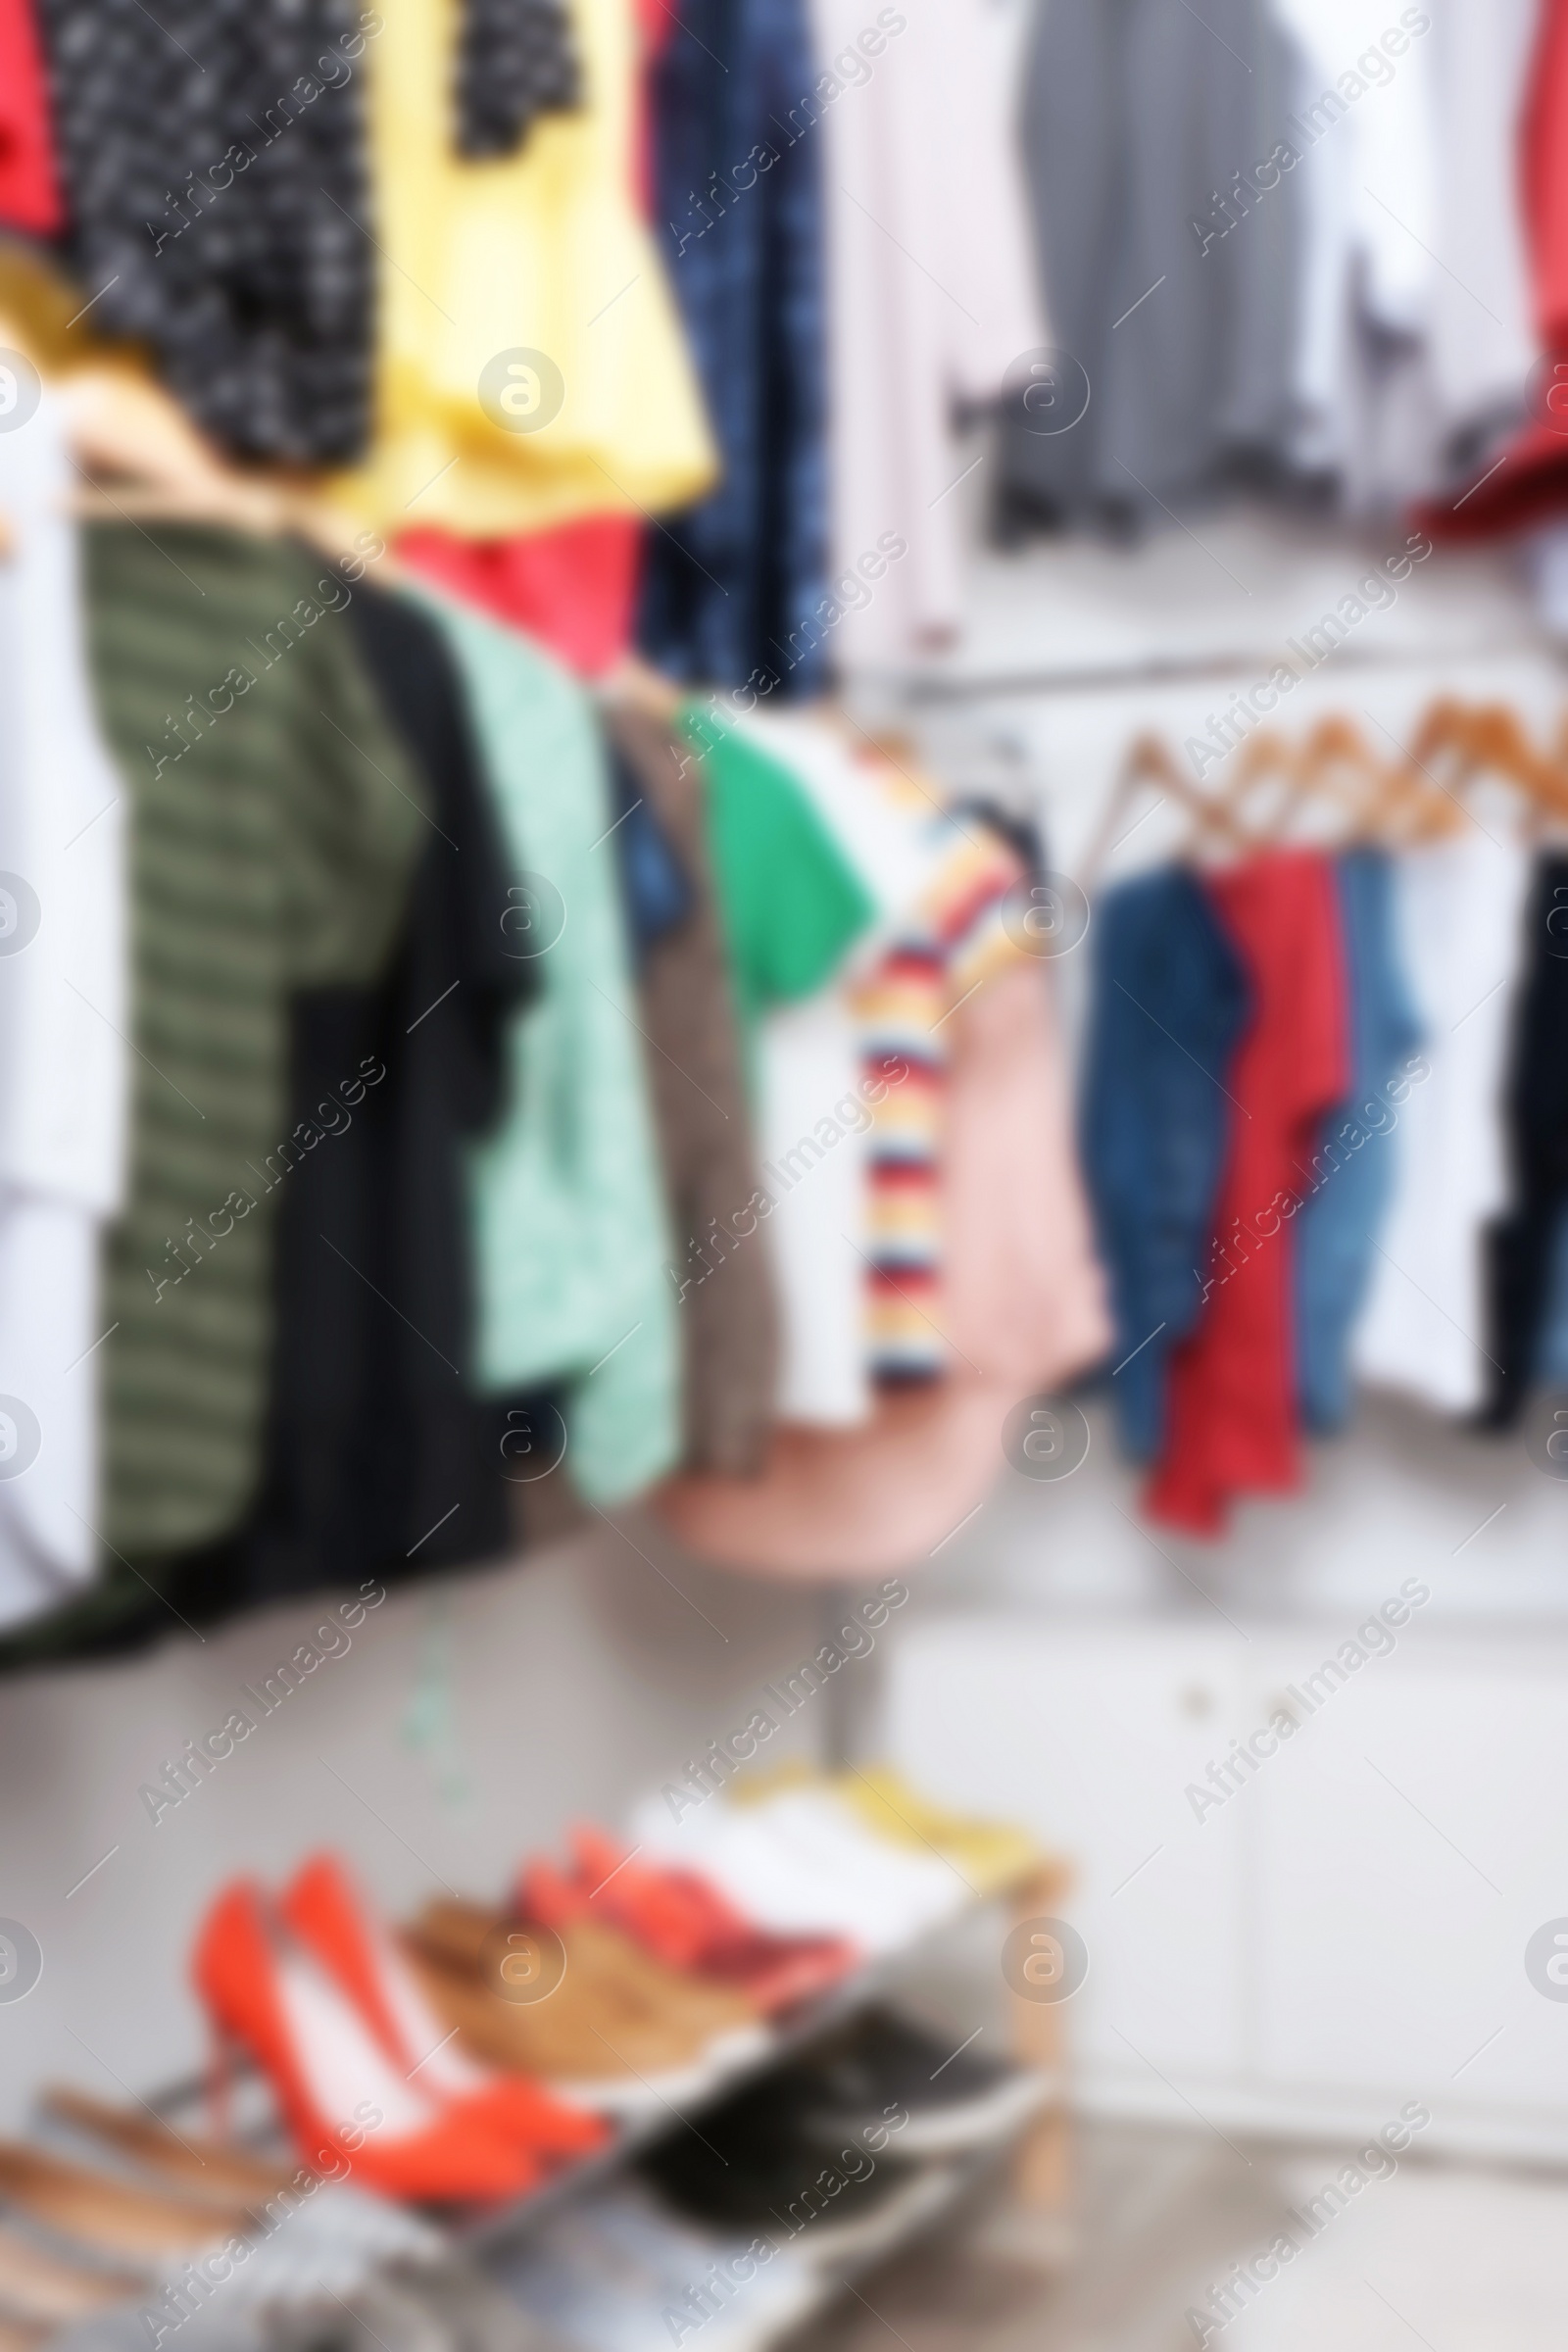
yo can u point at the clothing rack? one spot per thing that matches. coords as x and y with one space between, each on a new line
1183 669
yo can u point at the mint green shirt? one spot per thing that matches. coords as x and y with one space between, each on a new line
568 1195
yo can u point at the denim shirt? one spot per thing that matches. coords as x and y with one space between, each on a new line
1353 1176
1170 1004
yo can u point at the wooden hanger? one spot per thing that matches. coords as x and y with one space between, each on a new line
1150 763
1489 740
1338 763
146 455
143 457
1378 797
1502 747
1263 758
1423 805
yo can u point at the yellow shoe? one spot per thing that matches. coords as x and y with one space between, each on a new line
992 1855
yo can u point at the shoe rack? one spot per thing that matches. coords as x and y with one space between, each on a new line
1029 2166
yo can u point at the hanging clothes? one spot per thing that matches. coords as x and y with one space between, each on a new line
954 937
572 590
1481 327
1352 1174
728 1310
571 1236
539 269
856 1246
274 824
729 585
924 315
1363 137
792 906
1459 907
1024 1309
796 905
813 1125
1551 1366
516 60
380 1459
656 891
1232 1427
30 179
1531 484
877 822
1170 1002
63 1063
1137 118
1520 1245
902 1052
214 177
1545 176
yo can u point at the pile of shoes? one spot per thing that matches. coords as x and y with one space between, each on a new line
618 2271
859 1856
458 2065
742 2223
115 2228
320 1997
119 2233
625 1987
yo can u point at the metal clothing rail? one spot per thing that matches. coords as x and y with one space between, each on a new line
1172 669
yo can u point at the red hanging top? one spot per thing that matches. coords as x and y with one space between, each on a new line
1232 1424
29 188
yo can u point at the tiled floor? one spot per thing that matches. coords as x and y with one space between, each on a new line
1459 2259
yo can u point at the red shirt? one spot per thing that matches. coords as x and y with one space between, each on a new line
1232 1425
572 589
29 192
1531 485
1544 175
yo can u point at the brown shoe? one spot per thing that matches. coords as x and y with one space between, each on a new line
37 2286
108 2214
579 2039
613 1959
203 2168
629 1978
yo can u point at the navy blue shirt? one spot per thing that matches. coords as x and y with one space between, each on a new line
1170 1004
735 589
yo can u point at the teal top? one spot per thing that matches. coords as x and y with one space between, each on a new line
567 1196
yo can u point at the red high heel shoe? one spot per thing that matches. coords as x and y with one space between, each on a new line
343 2099
687 1923
326 1913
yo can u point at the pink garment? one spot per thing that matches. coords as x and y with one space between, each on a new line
931 294
1024 1309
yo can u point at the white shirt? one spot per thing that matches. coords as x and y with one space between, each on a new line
814 1164
63 1024
1459 908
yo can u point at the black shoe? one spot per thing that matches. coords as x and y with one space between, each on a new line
749 2165
955 2098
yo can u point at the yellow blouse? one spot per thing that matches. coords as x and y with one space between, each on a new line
531 366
